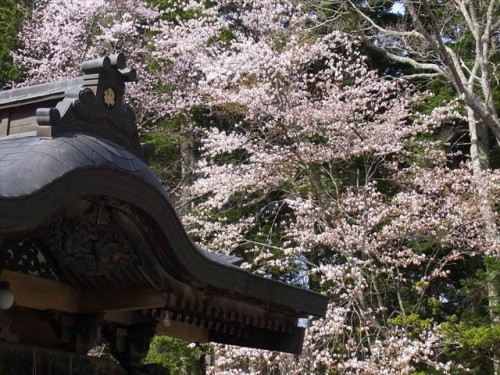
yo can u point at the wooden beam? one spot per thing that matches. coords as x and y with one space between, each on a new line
122 317
41 294
38 293
123 299
183 331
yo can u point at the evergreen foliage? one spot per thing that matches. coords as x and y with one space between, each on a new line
176 355
11 16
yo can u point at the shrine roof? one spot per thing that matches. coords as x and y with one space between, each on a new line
73 163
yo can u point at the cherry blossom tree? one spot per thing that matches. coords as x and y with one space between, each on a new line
315 170
59 35
312 167
455 41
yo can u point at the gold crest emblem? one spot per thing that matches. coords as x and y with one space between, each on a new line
109 97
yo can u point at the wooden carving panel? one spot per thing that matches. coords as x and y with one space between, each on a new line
88 248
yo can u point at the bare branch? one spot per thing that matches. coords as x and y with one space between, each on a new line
385 31
408 60
496 26
418 24
436 58
421 75
467 16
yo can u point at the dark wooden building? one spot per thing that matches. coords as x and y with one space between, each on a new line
91 247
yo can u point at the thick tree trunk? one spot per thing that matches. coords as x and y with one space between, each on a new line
480 145
480 148
188 161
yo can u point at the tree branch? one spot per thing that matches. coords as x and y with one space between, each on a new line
385 31
408 60
421 75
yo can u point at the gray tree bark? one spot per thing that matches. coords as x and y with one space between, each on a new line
480 160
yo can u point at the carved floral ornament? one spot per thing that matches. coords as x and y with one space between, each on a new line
109 97
87 248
